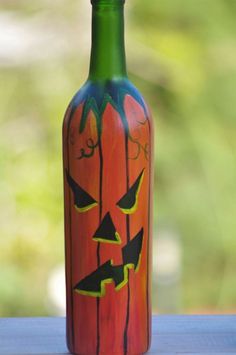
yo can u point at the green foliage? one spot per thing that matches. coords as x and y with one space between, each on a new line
182 56
194 106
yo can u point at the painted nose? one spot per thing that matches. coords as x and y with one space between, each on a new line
106 232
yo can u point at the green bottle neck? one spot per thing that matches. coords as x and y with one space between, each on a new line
108 48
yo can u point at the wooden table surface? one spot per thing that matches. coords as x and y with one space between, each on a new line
171 335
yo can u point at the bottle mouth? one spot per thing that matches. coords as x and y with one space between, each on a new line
107 2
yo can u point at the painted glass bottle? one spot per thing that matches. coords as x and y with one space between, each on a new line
107 155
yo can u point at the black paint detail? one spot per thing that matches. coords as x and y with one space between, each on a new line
88 153
71 304
82 199
106 232
100 219
94 283
126 126
128 201
132 250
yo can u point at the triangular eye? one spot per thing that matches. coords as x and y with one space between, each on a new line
106 232
82 200
129 202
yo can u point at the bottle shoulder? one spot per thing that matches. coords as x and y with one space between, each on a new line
98 94
96 101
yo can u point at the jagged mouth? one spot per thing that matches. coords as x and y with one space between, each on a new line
95 283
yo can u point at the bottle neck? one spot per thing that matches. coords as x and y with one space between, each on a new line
108 49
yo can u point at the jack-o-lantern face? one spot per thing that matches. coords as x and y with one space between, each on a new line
94 284
107 170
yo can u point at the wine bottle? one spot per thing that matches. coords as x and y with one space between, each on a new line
108 174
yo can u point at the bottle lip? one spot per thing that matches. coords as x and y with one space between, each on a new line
107 2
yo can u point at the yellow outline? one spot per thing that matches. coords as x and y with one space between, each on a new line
108 281
103 240
135 206
125 281
86 208
96 294
139 263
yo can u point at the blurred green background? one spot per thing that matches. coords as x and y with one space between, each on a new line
182 56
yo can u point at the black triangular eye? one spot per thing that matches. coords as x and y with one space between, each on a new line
129 202
106 232
82 200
